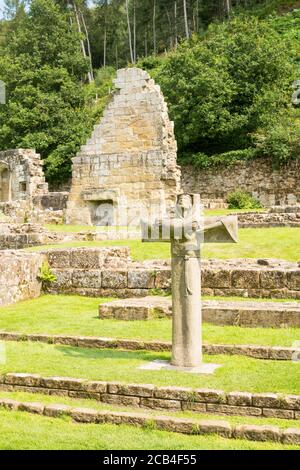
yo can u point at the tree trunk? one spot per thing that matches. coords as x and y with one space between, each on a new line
129 32
154 26
187 32
88 45
81 40
175 24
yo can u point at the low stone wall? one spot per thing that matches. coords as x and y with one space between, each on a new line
86 272
272 186
269 405
168 423
269 219
274 353
19 276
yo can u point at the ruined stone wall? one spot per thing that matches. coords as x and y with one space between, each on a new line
19 276
106 272
24 177
271 186
130 159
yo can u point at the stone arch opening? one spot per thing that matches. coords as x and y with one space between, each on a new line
5 180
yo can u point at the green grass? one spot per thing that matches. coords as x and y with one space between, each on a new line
24 431
280 242
236 373
62 228
99 406
79 316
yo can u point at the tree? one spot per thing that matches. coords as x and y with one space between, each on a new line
13 7
232 85
43 69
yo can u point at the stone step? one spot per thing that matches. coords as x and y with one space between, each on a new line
164 423
217 312
168 423
151 397
274 353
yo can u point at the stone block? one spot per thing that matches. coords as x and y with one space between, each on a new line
221 428
245 279
217 278
63 383
59 259
55 410
86 279
257 433
266 400
121 400
141 279
30 380
114 279
233 410
209 396
131 389
84 415
277 413
239 399
9 404
291 436
174 393
31 407
273 279
159 404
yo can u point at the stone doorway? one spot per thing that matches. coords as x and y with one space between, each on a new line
103 213
4 184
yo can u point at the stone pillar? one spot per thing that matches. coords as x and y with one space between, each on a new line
186 298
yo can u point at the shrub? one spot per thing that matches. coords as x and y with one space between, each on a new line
46 275
242 200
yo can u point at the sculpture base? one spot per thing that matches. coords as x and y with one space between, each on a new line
165 365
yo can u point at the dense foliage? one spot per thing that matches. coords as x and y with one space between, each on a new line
227 76
230 93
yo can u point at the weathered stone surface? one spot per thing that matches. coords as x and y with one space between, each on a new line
56 410
137 390
174 393
32 380
136 309
9 404
120 399
222 428
239 399
209 395
114 279
63 383
95 387
257 433
233 410
291 436
84 415
180 425
272 186
129 159
266 400
158 404
281 414
19 273
31 407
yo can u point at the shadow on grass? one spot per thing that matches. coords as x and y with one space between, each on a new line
112 354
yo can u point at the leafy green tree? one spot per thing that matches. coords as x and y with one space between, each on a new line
226 87
43 68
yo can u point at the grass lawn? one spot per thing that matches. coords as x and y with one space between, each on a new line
24 431
79 316
96 405
236 373
280 242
